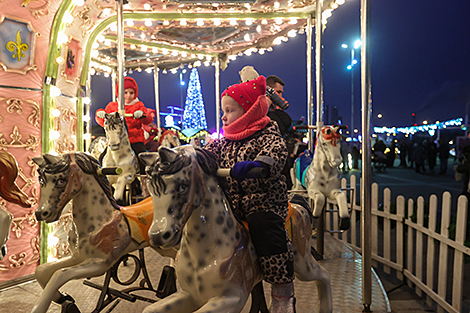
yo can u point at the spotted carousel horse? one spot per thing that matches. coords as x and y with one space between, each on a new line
216 264
119 153
321 177
103 232
169 139
9 191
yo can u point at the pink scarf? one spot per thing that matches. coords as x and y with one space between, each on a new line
249 123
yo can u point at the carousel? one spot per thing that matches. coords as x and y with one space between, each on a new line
75 255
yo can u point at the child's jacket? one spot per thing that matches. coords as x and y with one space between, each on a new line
253 195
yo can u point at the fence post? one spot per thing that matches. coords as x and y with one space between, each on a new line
400 235
375 230
443 248
419 245
387 228
457 288
409 247
430 264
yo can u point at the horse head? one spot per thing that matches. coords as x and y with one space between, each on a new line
114 127
329 141
176 186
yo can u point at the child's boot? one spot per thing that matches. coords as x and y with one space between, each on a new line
282 298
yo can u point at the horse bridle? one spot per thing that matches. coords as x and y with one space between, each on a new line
333 137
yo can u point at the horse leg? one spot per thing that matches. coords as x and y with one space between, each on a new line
344 220
308 269
227 304
45 271
119 187
318 202
180 302
88 268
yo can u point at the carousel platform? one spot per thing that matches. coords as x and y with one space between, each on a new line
342 262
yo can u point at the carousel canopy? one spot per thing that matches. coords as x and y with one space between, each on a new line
170 34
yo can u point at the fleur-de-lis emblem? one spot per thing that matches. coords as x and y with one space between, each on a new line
17 47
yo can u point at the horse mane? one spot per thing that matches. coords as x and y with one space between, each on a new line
9 190
206 161
115 121
88 164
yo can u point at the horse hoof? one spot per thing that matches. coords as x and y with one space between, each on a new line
69 307
344 223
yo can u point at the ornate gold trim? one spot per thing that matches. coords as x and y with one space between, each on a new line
39 11
87 23
64 146
31 144
15 103
35 117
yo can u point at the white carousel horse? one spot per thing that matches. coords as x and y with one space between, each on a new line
103 231
10 192
119 153
216 264
322 177
169 139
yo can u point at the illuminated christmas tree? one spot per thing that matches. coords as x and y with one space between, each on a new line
194 115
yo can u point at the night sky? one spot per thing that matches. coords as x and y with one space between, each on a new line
420 54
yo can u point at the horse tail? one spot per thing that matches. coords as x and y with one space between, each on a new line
9 190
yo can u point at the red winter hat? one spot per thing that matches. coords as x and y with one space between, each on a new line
246 94
129 83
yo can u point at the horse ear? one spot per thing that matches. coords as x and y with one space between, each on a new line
167 154
38 160
148 158
51 159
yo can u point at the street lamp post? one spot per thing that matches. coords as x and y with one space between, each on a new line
350 67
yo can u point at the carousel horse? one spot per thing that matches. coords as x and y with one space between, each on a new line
9 191
321 177
103 232
216 264
119 153
169 139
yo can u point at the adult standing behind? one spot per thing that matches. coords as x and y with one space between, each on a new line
140 116
443 151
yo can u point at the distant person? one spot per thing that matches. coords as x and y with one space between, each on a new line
419 157
443 152
431 154
403 146
464 168
391 155
344 154
356 155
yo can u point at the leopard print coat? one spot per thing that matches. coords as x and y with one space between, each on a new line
255 195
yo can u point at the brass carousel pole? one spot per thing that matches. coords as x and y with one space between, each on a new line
217 93
156 81
366 156
319 99
120 55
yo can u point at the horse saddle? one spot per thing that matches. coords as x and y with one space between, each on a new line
139 217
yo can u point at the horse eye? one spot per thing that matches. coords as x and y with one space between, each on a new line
328 131
61 182
182 188
41 182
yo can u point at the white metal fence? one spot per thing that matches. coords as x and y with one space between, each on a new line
422 241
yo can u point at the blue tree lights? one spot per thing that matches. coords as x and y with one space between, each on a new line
194 115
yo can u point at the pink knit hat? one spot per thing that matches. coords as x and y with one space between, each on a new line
246 94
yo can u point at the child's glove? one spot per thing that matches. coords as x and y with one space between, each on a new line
138 114
101 114
240 169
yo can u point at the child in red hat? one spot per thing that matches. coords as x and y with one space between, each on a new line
140 115
253 140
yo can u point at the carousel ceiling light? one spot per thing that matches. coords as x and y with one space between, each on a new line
197 63
147 6
113 27
193 55
107 42
258 29
130 23
200 56
54 135
154 50
60 60
247 37
62 38
86 118
142 36
107 11
86 100
173 70
233 21
164 51
278 21
183 22
87 136
166 22
232 57
55 113
340 2
190 66
95 53
208 57
292 33
277 5
293 20
248 52
199 22
261 51
68 18
184 54
106 74
248 21
148 60
184 71
164 71
270 49
148 23
100 38
264 21
143 48
133 47
55 91
217 22
78 2
148 70
92 71
207 63
247 5
174 53
139 69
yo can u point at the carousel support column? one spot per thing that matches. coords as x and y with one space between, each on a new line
113 83
88 112
120 55
309 82
319 98
156 81
217 98
366 107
